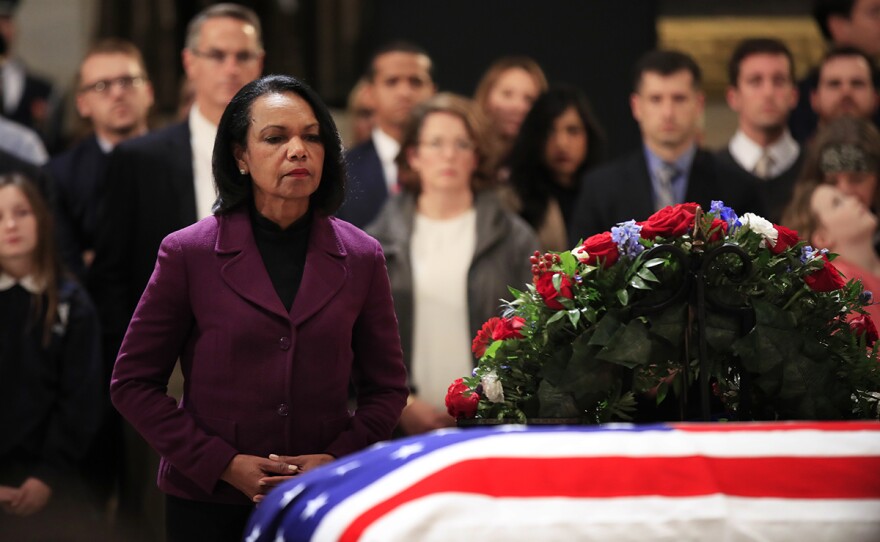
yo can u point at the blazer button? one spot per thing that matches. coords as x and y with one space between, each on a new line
282 409
284 343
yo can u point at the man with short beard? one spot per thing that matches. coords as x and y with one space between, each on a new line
846 86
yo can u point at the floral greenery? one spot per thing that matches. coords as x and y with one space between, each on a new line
586 338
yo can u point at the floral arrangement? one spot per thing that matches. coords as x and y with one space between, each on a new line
612 327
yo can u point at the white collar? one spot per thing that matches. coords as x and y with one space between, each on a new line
784 152
28 282
386 146
202 130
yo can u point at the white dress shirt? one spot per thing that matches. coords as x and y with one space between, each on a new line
202 135
387 148
783 153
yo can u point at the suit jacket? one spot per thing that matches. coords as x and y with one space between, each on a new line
775 192
149 193
257 378
77 173
621 190
366 191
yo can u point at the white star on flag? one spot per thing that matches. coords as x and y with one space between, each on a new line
342 469
314 505
407 450
255 534
280 536
290 495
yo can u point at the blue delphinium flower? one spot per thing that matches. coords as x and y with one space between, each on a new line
866 296
626 235
724 213
809 253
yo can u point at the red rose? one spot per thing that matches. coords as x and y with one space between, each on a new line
496 329
461 401
863 325
544 286
508 328
600 246
826 279
787 238
484 337
718 229
670 221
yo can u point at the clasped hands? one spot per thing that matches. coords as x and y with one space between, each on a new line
256 476
27 499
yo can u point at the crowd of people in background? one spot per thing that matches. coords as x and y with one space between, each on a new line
455 193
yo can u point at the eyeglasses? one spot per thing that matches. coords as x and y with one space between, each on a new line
219 57
457 145
105 85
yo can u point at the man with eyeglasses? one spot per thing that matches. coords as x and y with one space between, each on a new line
157 184
114 94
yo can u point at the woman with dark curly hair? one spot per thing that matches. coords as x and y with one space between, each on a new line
559 140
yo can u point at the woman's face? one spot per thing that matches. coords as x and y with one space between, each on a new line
18 226
841 216
510 100
566 147
861 184
445 157
284 154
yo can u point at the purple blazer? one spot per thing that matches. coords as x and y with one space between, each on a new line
259 380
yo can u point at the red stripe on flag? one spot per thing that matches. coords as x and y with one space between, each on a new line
776 426
609 477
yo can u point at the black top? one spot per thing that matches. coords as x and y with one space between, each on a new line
283 252
51 396
776 191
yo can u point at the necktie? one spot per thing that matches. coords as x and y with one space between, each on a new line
665 174
763 165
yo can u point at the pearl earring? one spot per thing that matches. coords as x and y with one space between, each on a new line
243 172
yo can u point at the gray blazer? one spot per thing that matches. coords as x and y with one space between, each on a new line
501 258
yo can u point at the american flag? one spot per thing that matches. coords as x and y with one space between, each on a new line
723 481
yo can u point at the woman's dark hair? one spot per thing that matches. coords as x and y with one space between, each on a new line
233 188
530 177
46 264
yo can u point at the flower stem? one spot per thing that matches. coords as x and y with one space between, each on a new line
795 297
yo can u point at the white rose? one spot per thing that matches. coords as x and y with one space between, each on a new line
581 254
492 387
761 226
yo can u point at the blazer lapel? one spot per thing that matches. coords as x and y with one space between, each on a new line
325 272
245 272
642 197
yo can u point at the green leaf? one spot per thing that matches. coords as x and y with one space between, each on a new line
557 281
623 297
646 274
654 262
630 346
557 316
639 284
574 315
492 349
556 403
569 263
607 326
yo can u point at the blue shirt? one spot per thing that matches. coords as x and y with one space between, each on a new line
682 165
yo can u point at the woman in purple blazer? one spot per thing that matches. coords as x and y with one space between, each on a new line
274 309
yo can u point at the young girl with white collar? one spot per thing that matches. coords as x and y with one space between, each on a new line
51 394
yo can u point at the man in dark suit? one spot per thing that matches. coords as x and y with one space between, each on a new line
113 93
157 184
27 99
667 102
843 23
399 77
762 93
